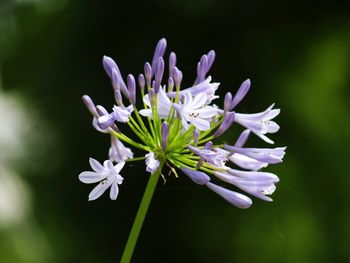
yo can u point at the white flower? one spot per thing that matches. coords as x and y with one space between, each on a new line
151 163
242 161
216 158
118 152
120 114
203 87
260 123
194 111
108 176
163 102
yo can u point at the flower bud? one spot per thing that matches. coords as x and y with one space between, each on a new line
232 197
132 88
165 134
196 176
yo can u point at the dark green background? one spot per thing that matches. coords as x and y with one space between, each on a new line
297 55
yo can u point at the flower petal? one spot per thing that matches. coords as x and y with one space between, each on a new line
201 124
113 194
101 188
199 100
95 165
90 177
118 167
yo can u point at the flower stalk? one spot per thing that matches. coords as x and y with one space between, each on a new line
141 214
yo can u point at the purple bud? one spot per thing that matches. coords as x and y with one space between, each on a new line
152 97
148 74
232 197
142 82
226 123
201 69
211 58
118 83
208 145
195 136
242 139
159 74
177 76
105 121
101 110
90 105
165 134
118 98
109 64
170 84
132 88
159 52
172 61
196 176
115 80
242 91
227 102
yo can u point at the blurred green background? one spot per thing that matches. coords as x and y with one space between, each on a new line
297 54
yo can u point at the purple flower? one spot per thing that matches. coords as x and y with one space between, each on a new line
265 155
232 197
203 87
192 111
120 114
215 158
242 161
163 102
196 176
118 152
151 163
260 123
258 184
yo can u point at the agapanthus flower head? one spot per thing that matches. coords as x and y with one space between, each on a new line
178 127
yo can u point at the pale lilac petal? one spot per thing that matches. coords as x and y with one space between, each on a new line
119 166
246 162
96 165
113 194
101 188
207 112
199 100
146 113
90 177
201 124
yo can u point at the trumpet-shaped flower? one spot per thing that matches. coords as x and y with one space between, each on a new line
152 163
193 111
118 152
260 123
163 102
107 175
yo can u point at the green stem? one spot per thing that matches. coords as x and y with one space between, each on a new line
141 213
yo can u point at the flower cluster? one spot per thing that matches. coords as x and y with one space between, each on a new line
176 127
